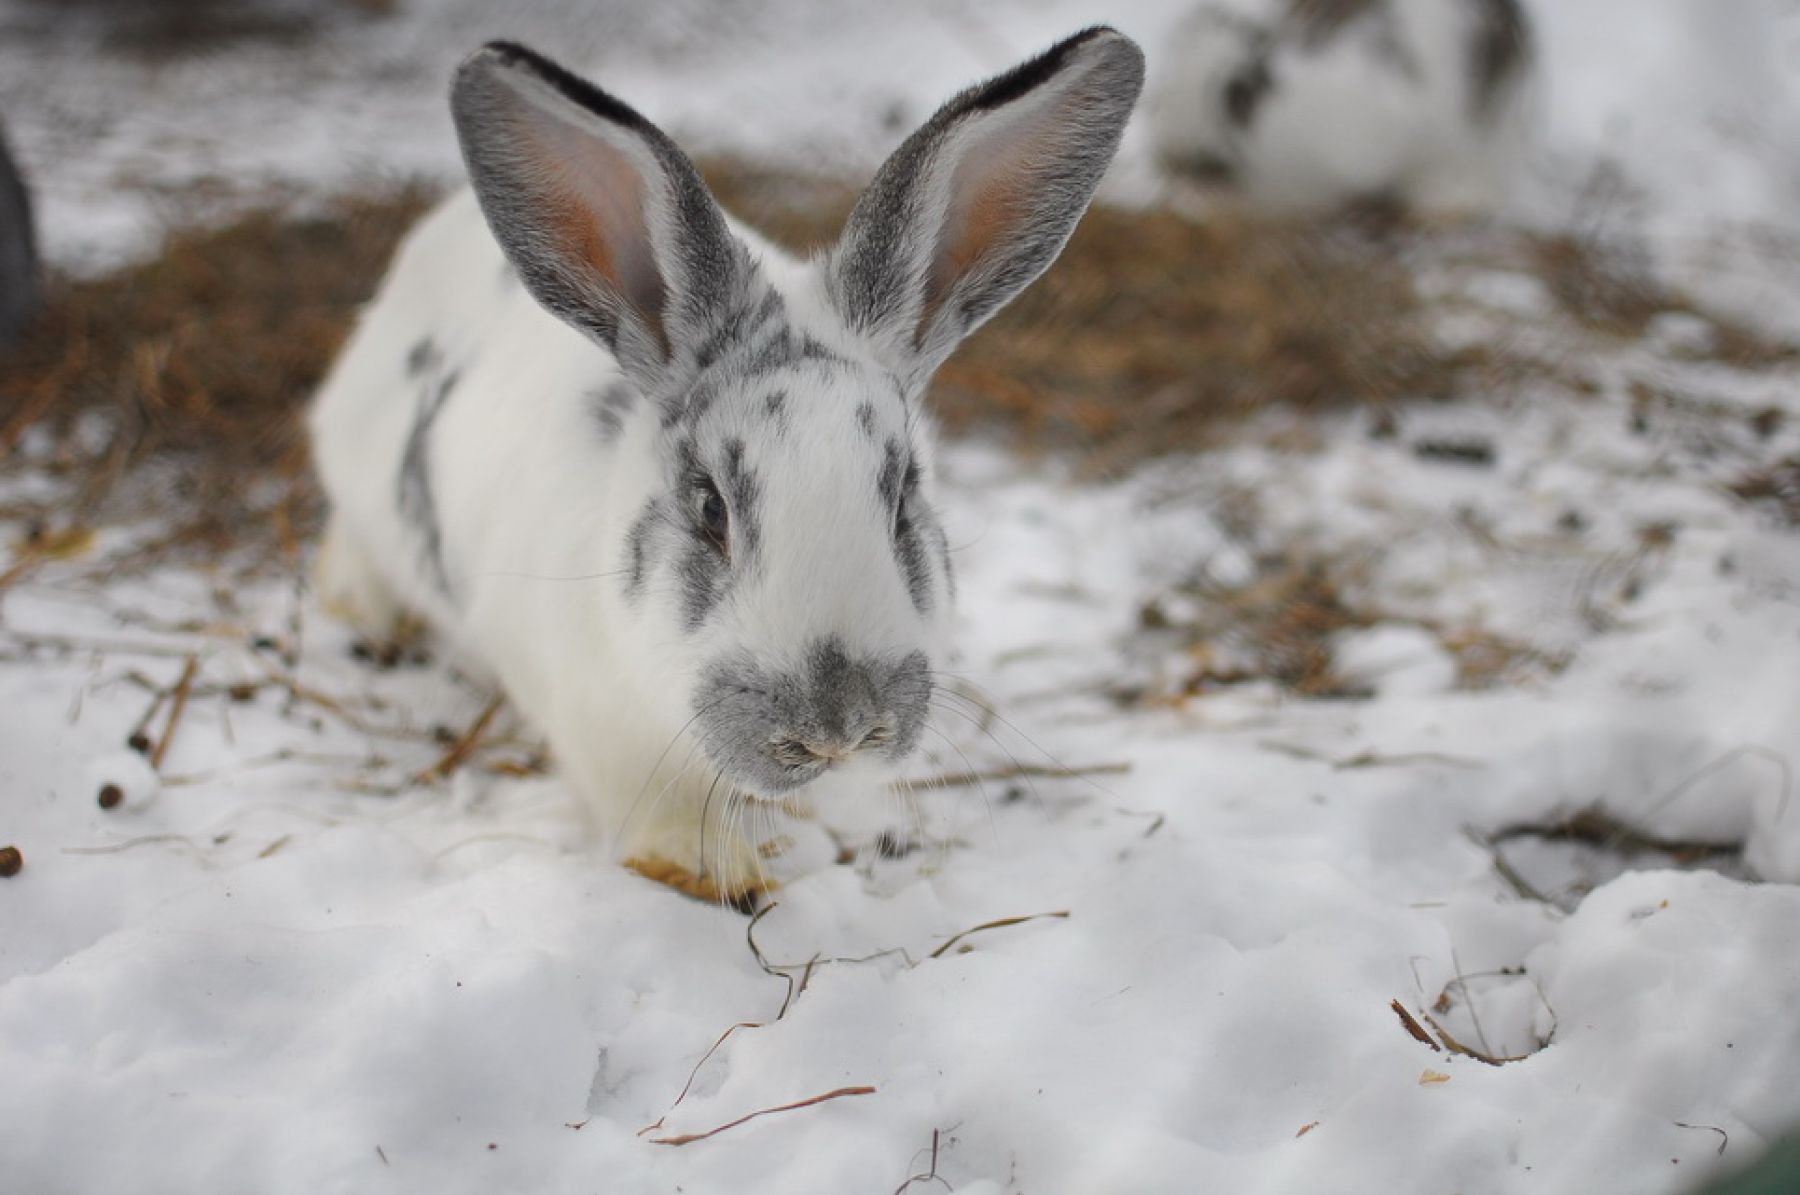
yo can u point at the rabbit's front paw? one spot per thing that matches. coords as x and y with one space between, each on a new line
352 591
729 872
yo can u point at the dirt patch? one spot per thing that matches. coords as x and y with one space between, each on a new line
1612 290
1775 487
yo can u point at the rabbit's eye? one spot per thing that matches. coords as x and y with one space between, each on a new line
715 518
908 488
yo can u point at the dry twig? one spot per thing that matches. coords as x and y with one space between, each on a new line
464 746
1412 1026
1022 771
179 700
1001 923
688 1138
695 1073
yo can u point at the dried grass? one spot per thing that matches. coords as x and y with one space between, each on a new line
201 359
1151 335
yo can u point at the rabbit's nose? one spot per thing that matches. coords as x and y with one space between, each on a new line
795 752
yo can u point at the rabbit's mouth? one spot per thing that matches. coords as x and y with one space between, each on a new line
773 732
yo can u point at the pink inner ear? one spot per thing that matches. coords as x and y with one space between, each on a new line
594 208
996 171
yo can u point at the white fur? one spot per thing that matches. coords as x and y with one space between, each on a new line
535 531
1341 123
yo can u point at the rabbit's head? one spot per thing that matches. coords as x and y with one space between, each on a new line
766 449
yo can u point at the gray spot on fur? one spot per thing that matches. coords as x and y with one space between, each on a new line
1247 89
612 406
705 580
744 494
889 481
865 418
640 549
413 492
911 555
766 729
423 356
1499 52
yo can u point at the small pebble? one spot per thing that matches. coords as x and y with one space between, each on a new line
139 742
10 862
122 780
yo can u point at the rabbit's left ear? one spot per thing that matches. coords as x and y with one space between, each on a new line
978 202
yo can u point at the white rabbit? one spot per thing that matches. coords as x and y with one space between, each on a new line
1305 105
675 490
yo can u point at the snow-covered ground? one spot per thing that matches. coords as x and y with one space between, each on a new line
282 963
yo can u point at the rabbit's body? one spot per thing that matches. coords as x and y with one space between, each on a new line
502 552
693 540
1297 105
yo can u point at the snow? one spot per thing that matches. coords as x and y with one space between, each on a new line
284 964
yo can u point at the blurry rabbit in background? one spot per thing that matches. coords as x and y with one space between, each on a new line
1311 105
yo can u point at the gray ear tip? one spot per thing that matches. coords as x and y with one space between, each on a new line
1113 48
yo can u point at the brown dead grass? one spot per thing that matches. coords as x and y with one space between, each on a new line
1776 487
1152 334
1611 290
202 358
1277 627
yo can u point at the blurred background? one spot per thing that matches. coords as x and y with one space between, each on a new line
1536 260
1309 186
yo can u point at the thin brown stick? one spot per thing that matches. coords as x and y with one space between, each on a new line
464 746
99 646
1002 923
1024 771
688 1138
695 1073
1412 1026
132 843
763 962
140 736
1456 1047
926 1176
179 700
1369 759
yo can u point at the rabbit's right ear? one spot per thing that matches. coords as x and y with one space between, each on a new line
980 200
607 222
